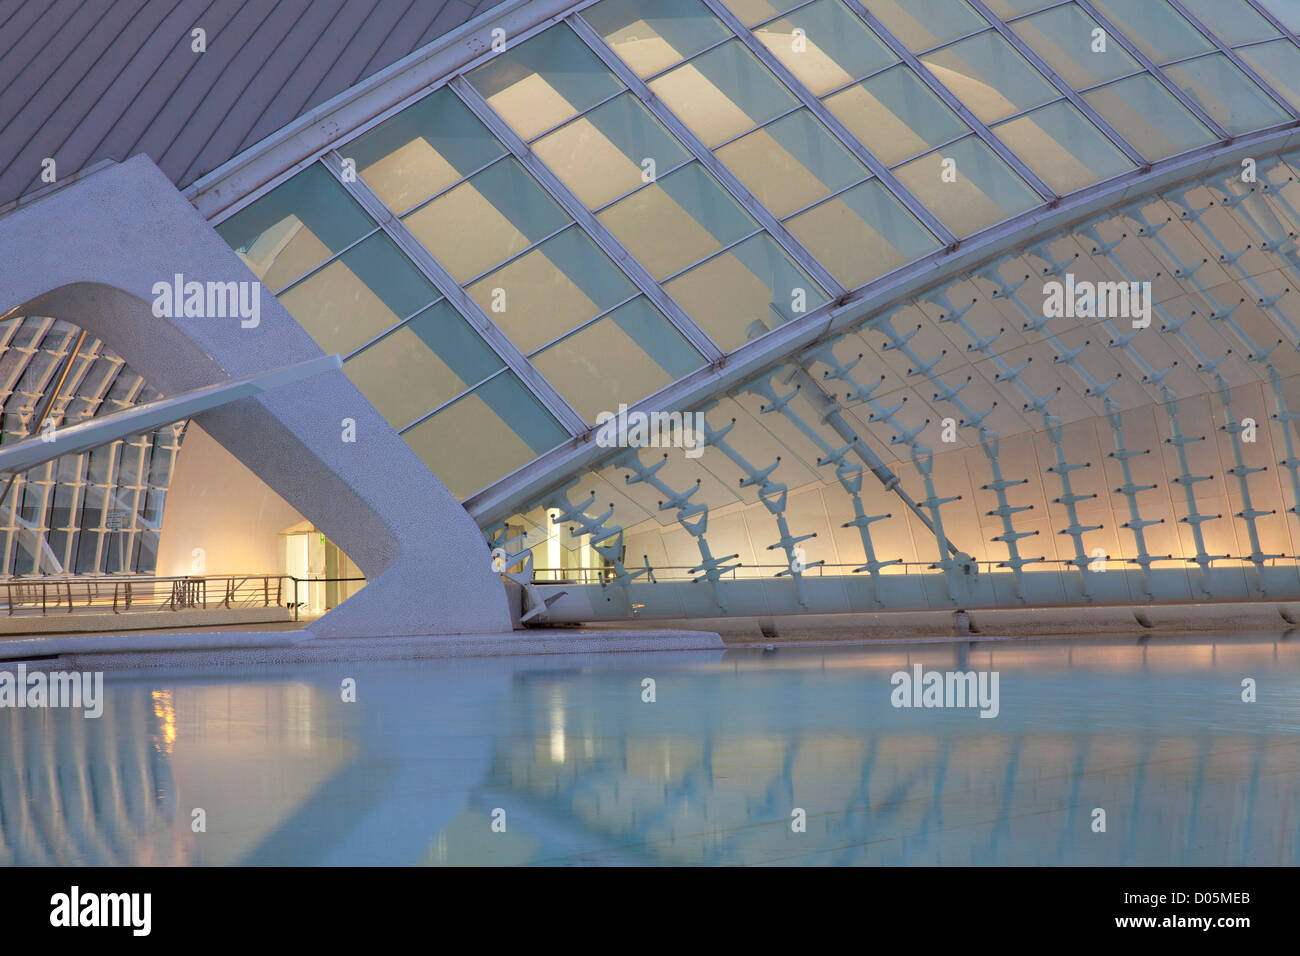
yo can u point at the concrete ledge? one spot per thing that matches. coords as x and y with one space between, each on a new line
115 652
95 623
1083 621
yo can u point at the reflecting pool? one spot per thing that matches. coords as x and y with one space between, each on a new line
794 757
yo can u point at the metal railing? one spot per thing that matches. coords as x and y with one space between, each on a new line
685 572
120 594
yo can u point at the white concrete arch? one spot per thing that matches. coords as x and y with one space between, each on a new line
91 252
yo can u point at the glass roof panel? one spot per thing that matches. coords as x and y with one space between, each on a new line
756 11
989 76
544 80
862 234
922 24
1233 21
835 47
551 289
610 151
1278 63
487 218
493 430
1148 116
1063 147
294 227
1286 11
896 115
426 147
1063 36
723 92
792 162
985 189
652 35
365 291
1013 8
677 220
421 364
1155 28
623 357
1230 97
745 292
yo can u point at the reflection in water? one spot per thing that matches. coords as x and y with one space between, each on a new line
1154 732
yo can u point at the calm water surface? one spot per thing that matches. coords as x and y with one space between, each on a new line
583 771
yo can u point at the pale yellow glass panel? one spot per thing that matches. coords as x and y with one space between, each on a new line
600 155
1063 147
544 80
670 224
745 292
428 361
549 290
825 45
989 76
479 439
604 364
895 115
486 219
361 294
985 189
722 93
652 35
791 163
756 11
862 234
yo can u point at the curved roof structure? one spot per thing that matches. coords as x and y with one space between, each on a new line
99 511
663 205
89 80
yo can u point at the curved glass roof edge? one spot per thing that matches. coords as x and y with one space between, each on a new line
569 20
508 494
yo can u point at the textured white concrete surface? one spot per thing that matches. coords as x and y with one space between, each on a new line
120 652
90 254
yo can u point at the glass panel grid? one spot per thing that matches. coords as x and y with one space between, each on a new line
1067 38
895 115
650 37
1226 94
544 81
925 24
426 148
723 93
1155 28
1063 147
792 162
94 512
967 185
989 76
1232 21
826 45
1149 116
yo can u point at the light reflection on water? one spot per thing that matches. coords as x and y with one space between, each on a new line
286 772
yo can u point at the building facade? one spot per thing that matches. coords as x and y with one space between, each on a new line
709 307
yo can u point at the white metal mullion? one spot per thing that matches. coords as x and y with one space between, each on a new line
696 147
954 102
1149 65
1232 55
1043 67
833 123
630 266
461 300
